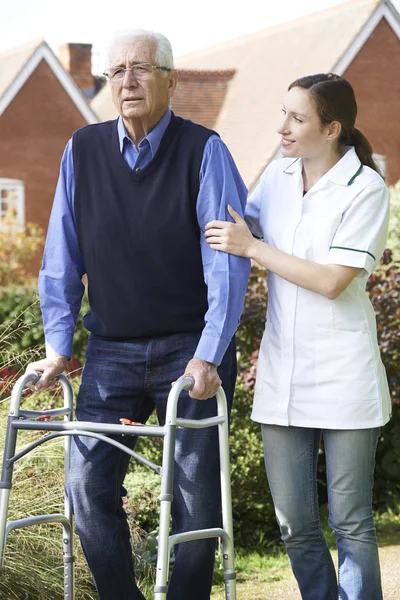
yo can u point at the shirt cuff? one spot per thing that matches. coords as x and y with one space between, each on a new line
58 344
211 349
350 257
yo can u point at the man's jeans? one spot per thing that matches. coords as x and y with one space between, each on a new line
291 462
129 379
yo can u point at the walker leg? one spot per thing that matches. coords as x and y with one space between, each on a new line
230 589
4 500
229 569
5 484
68 533
160 589
69 592
226 499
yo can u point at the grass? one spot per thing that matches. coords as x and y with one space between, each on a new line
255 570
388 527
265 567
33 567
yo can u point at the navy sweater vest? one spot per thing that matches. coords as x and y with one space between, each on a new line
138 232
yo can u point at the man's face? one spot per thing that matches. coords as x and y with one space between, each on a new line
136 98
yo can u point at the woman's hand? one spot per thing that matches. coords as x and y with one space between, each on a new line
234 238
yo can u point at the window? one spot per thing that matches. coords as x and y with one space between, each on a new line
12 202
380 161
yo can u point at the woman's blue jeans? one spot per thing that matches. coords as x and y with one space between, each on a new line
130 379
291 455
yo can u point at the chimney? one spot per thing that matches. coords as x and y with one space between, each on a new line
77 60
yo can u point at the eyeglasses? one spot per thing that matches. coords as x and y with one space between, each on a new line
139 71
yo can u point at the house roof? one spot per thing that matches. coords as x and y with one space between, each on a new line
200 95
103 106
266 63
18 64
12 62
263 64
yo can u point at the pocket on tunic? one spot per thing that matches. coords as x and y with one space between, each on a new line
345 365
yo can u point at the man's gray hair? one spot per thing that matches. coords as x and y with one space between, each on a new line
164 56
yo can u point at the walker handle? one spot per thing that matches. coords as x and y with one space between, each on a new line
37 374
33 377
190 383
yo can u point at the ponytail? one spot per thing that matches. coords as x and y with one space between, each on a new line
363 149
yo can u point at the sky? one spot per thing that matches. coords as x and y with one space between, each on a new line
189 25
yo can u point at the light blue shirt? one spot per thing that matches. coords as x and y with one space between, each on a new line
60 280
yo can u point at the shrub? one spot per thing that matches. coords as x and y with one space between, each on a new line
143 487
252 506
17 246
384 290
394 224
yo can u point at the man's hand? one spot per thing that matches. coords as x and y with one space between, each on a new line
207 381
50 369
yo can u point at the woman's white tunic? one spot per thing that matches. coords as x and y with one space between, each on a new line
319 363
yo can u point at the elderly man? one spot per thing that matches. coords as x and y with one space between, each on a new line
130 208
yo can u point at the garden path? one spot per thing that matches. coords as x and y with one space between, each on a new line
285 588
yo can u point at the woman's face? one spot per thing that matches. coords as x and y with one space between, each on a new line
302 135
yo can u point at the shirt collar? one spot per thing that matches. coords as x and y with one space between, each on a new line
343 172
153 138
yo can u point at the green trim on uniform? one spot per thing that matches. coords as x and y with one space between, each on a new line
350 181
352 249
292 163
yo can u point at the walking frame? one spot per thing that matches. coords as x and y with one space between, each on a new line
42 420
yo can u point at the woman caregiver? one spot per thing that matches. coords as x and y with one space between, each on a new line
322 212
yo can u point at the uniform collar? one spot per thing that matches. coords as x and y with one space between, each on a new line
294 167
347 169
343 173
153 138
